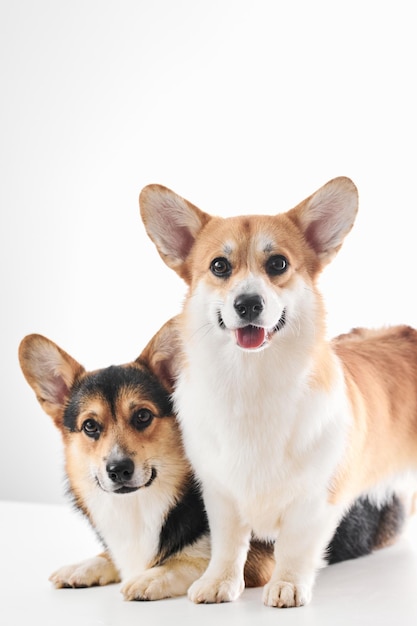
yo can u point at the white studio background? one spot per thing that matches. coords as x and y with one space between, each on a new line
241 106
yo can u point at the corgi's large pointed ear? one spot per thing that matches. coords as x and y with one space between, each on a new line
327 216
50 372
172 223
162 355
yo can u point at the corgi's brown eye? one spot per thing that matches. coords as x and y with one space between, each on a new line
221 267
276 265
91 428
142 419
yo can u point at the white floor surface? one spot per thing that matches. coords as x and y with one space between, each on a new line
36 539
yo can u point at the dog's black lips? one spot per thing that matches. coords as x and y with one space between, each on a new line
220 320
126 489
152 478
280 324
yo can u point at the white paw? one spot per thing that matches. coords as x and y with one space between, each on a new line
95 571
215 590
155 584
283 594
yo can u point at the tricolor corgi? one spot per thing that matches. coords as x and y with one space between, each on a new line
125 468
283 428
127 473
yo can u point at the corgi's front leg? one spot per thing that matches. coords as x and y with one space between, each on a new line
223 580
100 570
299 553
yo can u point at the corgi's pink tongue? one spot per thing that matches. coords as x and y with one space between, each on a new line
250 337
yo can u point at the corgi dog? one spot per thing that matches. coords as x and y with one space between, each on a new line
284 428
127 473
125 468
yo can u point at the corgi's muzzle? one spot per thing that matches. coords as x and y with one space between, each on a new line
250 334
120 476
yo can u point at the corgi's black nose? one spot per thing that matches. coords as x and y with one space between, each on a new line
120 471
248 307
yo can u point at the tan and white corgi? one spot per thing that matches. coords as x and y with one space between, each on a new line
284 429
126 472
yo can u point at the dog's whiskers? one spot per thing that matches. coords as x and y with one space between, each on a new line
203 331
294 324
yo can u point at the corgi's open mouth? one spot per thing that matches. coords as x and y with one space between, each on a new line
252 337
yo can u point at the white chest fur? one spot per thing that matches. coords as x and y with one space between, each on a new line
254 426
130 527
